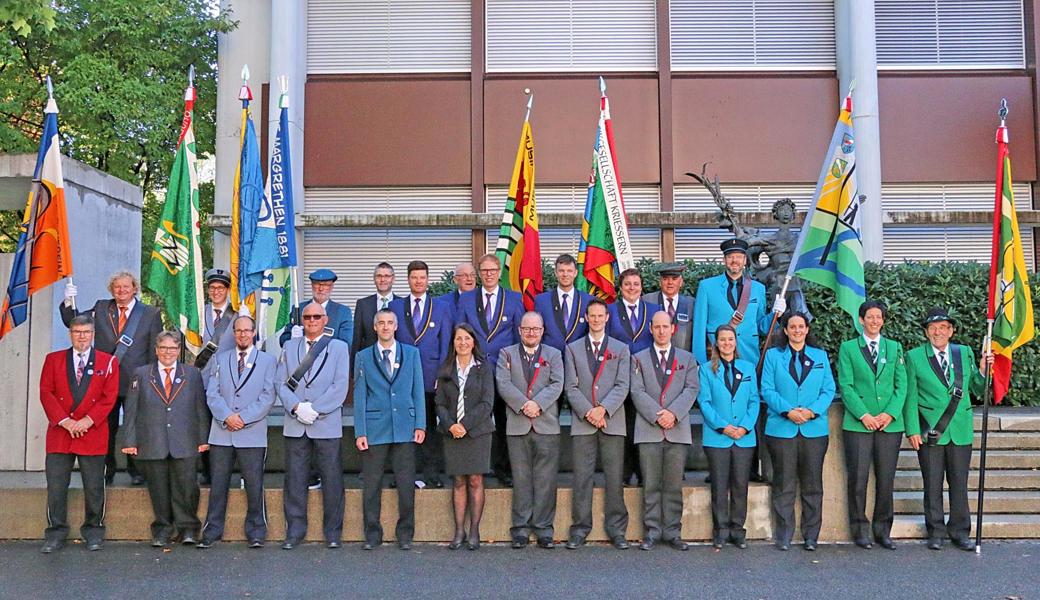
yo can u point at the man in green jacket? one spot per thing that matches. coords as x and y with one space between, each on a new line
940 424
872 379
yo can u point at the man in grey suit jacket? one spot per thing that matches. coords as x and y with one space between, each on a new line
678 306
240 393
664 387
217 317
313 426
530 381
596 380
165 424
365 309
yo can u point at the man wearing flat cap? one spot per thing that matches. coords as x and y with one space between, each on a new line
941 376
678 306
341 319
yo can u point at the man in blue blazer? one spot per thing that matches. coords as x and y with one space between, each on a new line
629 321
465 279
426 323
495 313
563 309
340 318
390 417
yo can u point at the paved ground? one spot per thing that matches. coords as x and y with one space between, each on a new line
1005 570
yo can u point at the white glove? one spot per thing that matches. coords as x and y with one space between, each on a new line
779 305
70 293
297 331
306 414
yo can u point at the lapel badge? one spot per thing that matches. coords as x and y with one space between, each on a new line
178 380
807 363
504 318
668 372
432 324
581 319
884 360
739 375
90 371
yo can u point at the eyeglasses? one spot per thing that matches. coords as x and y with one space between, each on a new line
312 317
465 275
169 348
489 271
81 331
244 330
530 329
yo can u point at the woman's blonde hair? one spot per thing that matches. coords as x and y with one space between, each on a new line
715 354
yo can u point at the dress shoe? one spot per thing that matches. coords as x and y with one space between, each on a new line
473 544
620 543
739 542
864 543
519 542
574 543
333 545
405 545
545 543
783 546
758 478
110 477
632 480
886 543
934 544
504 478
95 546
809 545
137 480
648 544
717 543
189 539
707 479
290 544
256 544
51 546
369 546
964 544
160 542
205 544
678 544
456 542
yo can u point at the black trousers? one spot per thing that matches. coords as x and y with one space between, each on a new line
373 464
663 465
174 492
430 453
536 460
797 465
730 469
113 429
611 451
632 464
499 450
58 468
761 461
953 462
298 453
879 449
251 464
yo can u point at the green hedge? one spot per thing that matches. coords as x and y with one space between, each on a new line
909 289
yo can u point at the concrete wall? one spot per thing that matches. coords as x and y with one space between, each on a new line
104 215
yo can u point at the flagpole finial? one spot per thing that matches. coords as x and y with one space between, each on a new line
1003 111
852 86
602 86
283 83
50 88
191 76
245 73
530 102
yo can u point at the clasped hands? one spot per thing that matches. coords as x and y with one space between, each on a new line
531 409
597 417
734 432
876 423
666 419
800 416
77 428
305 413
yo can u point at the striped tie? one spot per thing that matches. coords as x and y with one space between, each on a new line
873 351
241 361
168 383
944 364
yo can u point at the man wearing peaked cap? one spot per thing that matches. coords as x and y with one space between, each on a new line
941 376
678 306
341 319
217 336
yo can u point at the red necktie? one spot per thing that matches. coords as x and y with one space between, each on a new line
122 318
168 384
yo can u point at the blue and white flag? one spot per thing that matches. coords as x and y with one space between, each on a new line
257 249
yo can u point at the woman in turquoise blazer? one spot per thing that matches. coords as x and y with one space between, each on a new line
798 387
729 403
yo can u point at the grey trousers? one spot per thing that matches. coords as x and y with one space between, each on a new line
58 468
730 469
797 465
879 449
373 463
174 491
611 452
251 464
663 464
535 458
953 462
298 453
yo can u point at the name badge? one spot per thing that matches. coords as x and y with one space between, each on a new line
682 317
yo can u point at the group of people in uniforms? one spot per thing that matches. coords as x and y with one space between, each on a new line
470 383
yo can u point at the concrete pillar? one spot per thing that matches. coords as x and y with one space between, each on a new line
857 60
248 44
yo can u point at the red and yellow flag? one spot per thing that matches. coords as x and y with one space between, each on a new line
519 248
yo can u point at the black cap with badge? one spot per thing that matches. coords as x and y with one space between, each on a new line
734 245
936 315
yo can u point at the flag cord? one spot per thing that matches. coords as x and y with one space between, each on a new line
987 348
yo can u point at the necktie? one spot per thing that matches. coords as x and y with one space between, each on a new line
417 314
664 361
386 363
595 348
566 313
241 361
671 309
79 368
944 364
460 409
632 309
873 351
728 374
386 303
732 293
487 303
168 383
216 316
122 318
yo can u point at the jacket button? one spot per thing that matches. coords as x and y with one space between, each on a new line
168 425
169 409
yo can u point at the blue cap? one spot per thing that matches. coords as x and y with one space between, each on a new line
323 275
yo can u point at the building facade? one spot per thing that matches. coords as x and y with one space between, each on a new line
406 115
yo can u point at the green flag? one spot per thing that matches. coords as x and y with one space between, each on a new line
176 266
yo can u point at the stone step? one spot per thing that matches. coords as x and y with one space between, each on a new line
996 525
1003 440
995 459
999 501
995 480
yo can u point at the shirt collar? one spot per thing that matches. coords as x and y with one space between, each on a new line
936 351
667 349
867 339
130 306
570 295
601 339
162 368
387 298
222 308
422 299
484 292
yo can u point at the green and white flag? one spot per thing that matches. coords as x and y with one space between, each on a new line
176 265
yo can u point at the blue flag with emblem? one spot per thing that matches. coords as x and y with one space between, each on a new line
257 249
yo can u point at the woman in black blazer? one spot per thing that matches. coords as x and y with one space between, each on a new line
467 427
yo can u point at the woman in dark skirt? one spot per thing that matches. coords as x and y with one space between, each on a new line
465 393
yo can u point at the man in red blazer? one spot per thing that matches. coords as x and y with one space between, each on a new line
78 389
